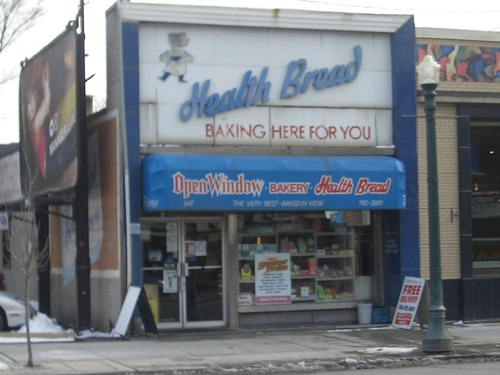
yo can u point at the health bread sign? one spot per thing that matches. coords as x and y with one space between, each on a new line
221 86
271 183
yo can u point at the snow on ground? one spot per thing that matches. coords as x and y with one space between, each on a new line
41 324
388 350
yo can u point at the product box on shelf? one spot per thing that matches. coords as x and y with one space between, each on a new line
311 264
252 250
259 249
304 291
245 250
245 299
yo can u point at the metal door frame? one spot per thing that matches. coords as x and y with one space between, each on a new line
215 323
181 222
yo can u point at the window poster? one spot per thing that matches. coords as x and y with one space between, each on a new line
200 248
170 281
272 279
172 244
190 248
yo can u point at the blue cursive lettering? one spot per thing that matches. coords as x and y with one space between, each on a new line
253 90
250 93
294 84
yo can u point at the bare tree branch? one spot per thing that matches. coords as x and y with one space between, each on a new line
17 16
23 245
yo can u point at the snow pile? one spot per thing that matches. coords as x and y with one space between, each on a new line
96 334
386 350
41 323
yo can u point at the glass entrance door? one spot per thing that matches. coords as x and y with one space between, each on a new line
203 297
183 272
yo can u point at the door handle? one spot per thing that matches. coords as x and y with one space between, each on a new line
186 269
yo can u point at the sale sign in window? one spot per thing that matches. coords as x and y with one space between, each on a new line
272 279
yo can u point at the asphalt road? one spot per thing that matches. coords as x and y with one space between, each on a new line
480 368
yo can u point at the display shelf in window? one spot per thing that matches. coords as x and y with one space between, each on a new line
251 244
334 278
340 254
246 271
299 243
246 284
303 267
334 243
333 291
322 263
335 266
303 289
304 299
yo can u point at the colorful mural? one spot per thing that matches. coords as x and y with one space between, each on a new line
464 63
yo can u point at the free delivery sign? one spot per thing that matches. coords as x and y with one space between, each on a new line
408 302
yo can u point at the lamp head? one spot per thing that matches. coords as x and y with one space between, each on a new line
428 71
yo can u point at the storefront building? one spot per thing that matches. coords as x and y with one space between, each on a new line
468 141
270 161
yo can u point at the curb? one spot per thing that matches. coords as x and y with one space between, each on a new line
39 335
320 365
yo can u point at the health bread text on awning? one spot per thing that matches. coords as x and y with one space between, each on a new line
271 183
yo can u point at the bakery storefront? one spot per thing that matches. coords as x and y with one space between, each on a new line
278 173
291 234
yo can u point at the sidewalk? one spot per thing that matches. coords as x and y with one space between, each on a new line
252 351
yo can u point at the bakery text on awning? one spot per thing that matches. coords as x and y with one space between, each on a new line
271 183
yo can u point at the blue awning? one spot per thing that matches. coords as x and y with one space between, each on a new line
271 183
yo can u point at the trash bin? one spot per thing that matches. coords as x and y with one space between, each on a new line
365 313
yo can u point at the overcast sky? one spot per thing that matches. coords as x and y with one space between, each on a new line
440 14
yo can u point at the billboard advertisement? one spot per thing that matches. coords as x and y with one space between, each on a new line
48 125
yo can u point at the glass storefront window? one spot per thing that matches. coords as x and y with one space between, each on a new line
485 175
304 257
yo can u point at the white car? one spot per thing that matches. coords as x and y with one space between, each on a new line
12 311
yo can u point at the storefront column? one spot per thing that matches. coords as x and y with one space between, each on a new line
232 270
379 259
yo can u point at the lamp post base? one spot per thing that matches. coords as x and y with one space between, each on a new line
437 339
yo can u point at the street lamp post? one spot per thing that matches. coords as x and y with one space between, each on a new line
437 338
